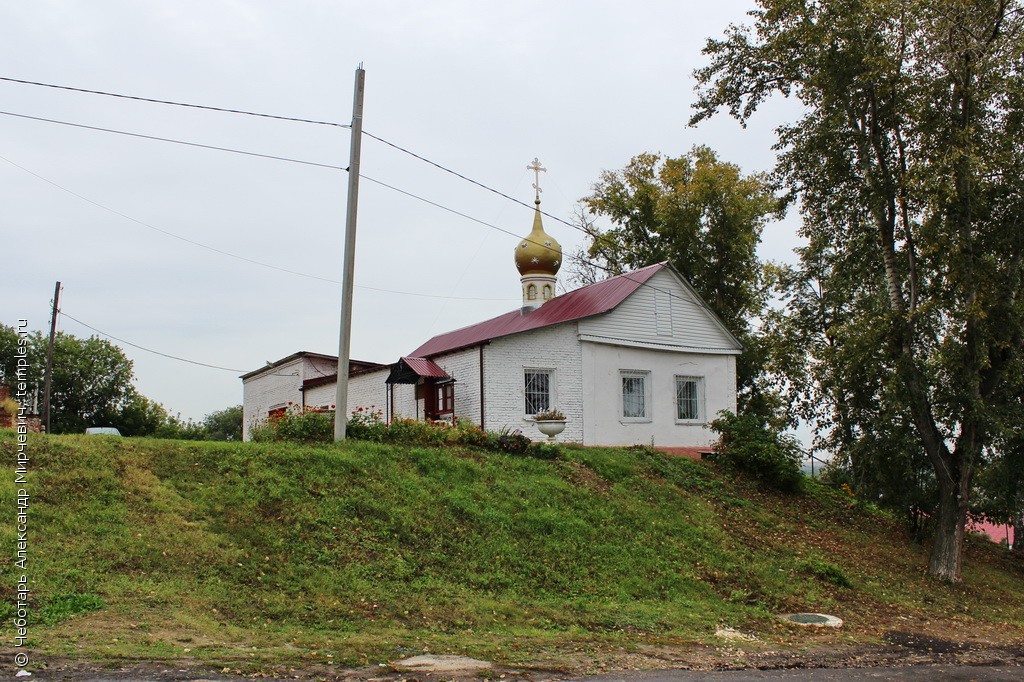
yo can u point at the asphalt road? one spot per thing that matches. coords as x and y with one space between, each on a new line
917 673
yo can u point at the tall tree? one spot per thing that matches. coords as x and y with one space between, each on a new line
92 378
697 212
908 166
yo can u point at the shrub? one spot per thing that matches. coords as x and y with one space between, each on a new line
317 426
366 424
748 444
174 428
511 441
298 424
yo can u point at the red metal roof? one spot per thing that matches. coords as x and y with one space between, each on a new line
583 302
425 368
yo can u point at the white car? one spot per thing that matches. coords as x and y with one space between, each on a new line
102 431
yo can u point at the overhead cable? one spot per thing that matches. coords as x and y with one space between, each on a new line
578 259
167 139
235 255
435 164
284 118
176 104
149 350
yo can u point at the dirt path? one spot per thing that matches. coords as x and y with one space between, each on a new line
904 652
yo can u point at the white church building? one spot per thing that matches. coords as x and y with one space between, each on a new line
634 359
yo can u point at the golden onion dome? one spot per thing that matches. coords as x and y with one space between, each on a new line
538 253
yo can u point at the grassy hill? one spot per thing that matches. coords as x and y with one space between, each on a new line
248 555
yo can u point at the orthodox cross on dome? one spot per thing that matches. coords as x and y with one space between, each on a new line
537 170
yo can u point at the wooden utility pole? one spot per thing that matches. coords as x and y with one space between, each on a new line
348 276
49 357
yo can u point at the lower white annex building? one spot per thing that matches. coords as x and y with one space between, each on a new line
634 359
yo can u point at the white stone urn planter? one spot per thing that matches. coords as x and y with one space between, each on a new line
551 427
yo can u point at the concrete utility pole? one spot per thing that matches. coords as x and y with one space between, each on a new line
348 276
49 357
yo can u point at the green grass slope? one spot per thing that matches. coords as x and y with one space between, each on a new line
254 554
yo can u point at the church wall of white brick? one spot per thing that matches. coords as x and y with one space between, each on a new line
505 361
464 367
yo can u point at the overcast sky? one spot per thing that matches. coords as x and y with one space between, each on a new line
479 87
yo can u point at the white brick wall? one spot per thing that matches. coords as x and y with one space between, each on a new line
283 385
406 405
464 367
364 390
274 387
555 348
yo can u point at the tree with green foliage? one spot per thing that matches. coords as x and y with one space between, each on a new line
909 171
704 217
224 424
139 416
695 211
92 386
91 382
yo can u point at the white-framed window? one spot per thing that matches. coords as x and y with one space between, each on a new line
636 394
689 399
538 390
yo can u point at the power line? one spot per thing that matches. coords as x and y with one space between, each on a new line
176 104
228 253
440 206
578 259
279 158
282 118
167 232
470 180
492 226
167 139
149 350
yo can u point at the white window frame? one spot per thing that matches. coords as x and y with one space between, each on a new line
701 411
635 374
551 389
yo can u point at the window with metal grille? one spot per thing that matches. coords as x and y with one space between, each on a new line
635 400
537 390
689 398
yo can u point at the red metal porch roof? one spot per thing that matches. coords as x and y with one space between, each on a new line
583 302
425 368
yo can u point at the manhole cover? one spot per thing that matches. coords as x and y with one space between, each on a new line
819 619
